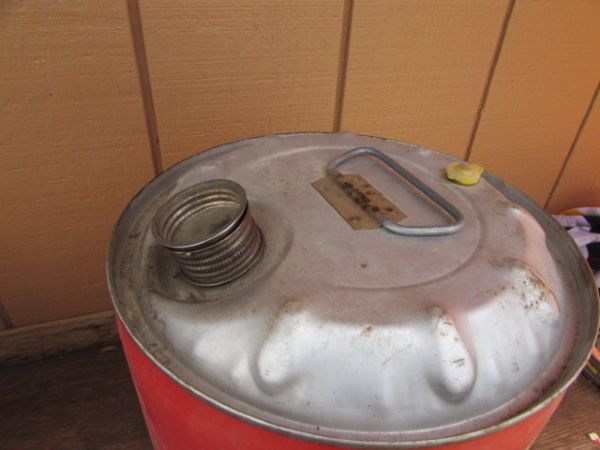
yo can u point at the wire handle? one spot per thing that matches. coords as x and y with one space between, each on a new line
393 227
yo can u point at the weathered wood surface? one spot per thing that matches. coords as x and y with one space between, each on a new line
73 151
35 342
85 400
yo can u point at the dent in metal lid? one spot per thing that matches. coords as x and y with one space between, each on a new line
362 337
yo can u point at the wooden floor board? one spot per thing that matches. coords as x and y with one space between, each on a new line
86 401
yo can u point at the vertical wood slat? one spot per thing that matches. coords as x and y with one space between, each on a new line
417 70
73 150
343 64
139 47
539 93
579 183
228 70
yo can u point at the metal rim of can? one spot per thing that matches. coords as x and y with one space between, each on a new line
178 209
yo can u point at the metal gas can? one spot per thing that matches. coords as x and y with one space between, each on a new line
326 290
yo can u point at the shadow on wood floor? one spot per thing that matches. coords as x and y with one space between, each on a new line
85 400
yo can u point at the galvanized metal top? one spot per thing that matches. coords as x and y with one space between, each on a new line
362 337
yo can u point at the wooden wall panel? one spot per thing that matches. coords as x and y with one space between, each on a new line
74 146
227 70
547 71
579 184
417 69
73 150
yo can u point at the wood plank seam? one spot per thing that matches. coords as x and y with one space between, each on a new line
36 342
5 317
488 82
580 129
137 34
343 64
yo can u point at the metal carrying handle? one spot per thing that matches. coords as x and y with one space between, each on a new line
391 226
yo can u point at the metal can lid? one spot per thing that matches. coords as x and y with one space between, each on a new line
344 332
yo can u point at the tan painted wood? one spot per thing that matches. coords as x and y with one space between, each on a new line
417 70
228 70
579 184
36 342
73 150
547 71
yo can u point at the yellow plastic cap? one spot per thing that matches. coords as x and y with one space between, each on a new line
464 173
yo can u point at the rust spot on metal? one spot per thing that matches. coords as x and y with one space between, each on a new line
292 306
350 211
368 198
366 331
359 203
533 293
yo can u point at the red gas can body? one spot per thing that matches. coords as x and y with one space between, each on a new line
177 420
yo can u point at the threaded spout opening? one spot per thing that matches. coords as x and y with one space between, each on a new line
209 231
